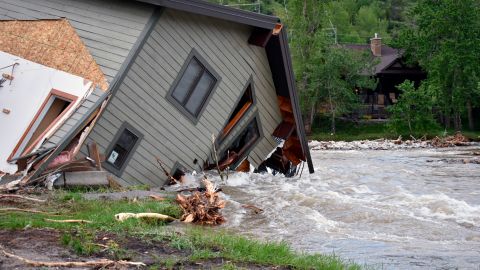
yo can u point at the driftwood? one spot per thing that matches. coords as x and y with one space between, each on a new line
202 207
171 179
12 209
255 209
98 263
68 221
13 196
457 140
148 216
157 198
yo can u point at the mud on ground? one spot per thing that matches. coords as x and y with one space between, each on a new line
45 245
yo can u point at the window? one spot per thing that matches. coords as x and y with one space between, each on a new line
122 148
245 141
51 111
193 87
245 103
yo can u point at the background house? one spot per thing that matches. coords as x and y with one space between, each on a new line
390 71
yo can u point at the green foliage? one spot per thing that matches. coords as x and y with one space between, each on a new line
338 71
413 111
444 40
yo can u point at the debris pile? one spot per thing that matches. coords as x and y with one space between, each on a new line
202 207
381 144
384 144
457 140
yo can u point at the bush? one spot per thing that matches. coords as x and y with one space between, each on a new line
413 111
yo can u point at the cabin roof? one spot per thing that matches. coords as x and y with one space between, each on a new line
389 55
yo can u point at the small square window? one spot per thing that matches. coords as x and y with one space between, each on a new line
122 148
193 87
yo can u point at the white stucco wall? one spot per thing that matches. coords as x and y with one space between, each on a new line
25 95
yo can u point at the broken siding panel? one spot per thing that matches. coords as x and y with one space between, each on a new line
94 19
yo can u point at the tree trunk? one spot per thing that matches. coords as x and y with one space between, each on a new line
332 111
447 121
333 122
309 123
471 122
457 121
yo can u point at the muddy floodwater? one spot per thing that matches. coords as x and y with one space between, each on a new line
388 209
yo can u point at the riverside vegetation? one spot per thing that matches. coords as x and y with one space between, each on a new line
176 246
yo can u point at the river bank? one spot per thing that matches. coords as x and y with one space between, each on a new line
30 238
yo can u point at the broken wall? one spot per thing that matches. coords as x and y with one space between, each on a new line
21 99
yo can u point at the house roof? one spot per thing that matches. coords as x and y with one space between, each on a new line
284 78
389 55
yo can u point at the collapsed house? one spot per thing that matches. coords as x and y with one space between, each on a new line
172 74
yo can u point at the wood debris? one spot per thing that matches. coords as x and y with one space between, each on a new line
81 221
457 140
255 209
97 263
13 196
202 207
146 216
157 198
13 209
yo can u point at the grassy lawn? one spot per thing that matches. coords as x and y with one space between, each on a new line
190 243
350 131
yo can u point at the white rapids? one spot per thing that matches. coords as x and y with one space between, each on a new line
396 209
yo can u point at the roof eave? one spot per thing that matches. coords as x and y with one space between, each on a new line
294 98
218 11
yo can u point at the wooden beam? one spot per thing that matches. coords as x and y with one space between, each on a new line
260 37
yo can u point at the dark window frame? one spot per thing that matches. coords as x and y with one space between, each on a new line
207 68
251 145
250 83
110 167
177 166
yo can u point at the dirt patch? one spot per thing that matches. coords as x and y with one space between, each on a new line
34 244
45 245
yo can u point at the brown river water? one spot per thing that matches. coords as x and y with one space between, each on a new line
387 209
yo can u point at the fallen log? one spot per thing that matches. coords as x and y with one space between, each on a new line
13 196
155 216
68 221
98 263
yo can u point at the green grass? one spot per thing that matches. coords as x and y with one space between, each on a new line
202 243
207 243
70 205
350 131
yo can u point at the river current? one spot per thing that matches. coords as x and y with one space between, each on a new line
395 209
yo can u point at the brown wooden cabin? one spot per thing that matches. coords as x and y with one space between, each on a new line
390 71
